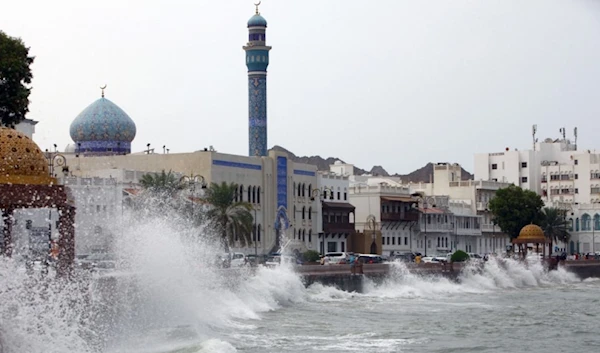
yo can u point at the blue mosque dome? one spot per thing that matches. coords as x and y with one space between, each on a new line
103 129
257 21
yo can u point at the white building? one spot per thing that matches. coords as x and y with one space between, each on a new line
336 224
562 175
472 225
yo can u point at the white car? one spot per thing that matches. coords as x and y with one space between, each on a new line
238 259
334 258
277 260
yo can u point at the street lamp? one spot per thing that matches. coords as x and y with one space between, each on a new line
58 159
191 180
424 202
322 195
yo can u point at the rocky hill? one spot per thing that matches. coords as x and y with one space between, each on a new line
423 174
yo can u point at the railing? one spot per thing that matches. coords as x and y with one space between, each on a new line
338 227
489 228
398 217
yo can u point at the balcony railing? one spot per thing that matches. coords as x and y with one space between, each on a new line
399 217
338 227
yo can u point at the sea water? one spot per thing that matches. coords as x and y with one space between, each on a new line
167 297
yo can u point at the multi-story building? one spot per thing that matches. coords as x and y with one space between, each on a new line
562 175
471 225
336 225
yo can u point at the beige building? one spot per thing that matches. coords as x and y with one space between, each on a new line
274 185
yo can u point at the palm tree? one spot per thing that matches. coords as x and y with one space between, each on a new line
163 184
554 225
232 218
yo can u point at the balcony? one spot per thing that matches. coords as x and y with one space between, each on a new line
399 217
331 228
489 228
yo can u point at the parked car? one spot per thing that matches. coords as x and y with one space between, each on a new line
276 260
238 259
370 258
335 258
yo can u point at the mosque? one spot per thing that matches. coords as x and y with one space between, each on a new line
101 159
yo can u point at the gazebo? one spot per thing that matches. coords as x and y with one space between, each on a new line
26 183
531 234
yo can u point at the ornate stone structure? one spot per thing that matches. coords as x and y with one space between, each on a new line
257 60
102 129
25 183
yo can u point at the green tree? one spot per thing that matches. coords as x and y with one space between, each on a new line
162 184
232 219
513 208
554 224
459 256
15 73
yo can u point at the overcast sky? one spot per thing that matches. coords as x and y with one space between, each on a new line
389 82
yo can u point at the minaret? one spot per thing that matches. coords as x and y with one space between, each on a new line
257 60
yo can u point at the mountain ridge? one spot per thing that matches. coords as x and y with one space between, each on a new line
423 174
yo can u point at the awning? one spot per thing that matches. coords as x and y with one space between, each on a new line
398 198
342 205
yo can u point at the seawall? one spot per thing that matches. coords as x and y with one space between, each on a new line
340 276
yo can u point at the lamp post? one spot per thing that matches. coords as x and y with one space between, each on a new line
423 202
58 159
321 194
191 180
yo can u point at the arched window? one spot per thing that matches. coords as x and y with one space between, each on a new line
303 235
596 222
241 193
294 233
254 194
303 212
438 242
294 211
309 190
258 194
586 222
310 213
254 231
446 242
303 189
294 189
577 224
299 189
249 192
570 225
310 235
259 228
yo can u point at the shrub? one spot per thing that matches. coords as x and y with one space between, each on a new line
311 256
459 256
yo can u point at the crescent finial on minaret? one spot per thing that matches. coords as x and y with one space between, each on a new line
257 4
103 88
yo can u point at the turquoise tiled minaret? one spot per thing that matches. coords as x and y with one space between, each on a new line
257 60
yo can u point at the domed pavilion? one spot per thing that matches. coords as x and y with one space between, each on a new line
25 182
531 234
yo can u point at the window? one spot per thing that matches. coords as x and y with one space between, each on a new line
303 212
494 166
576 162
309 190
310 236
388 240
345 196
343 246
258 194
259 232
523 179
596 222
310 213
405 240
393 240
595 175
523 164
586 222
338 196
576 176
576 190
331 246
